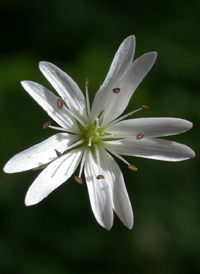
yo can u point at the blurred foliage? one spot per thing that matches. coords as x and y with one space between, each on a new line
60 235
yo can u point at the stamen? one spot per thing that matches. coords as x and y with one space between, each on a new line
58 128
140 136
46 125
144 107
116 90
107 136
76 117
119 157
132 167
60 103
70 147
75 144
97 157
78 180
58 153
97 124
112 137
90 141
87 96
99 177
86 82
124 116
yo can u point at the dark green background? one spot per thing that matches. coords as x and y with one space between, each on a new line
60 235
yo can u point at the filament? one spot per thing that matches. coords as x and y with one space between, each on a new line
124 116
87 96
82 163
76 117
97 156
75 144
97 124
119 157
57 128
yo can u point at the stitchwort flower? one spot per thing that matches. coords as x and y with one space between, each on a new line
89 136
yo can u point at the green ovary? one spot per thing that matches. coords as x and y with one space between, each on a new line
92 136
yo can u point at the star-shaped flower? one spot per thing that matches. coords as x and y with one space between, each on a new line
89 136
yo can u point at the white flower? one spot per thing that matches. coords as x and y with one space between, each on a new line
89 135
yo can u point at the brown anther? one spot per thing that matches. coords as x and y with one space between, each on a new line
78 180
144 107
133 168
140 136
60 103
58 153
46 125
99 177
86 82
116 90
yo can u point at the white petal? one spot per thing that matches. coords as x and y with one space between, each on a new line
150 127
120 64
48 101
53 176
157 149
39 154
120 198
117 103
99 193
66 88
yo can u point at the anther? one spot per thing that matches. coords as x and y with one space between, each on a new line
78 180
116 90
132 167
60 103
144 107
46 125
99 177
86 82
58 153
140 136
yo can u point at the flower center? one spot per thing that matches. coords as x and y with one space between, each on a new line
92 135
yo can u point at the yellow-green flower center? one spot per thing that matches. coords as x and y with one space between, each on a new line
92 135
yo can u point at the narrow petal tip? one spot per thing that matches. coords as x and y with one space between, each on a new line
6 169
45 67
28 203
130 38
11 167
153 55
28 85
107 227
130 224
191 154
188 125
31 198
43 64
24 83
